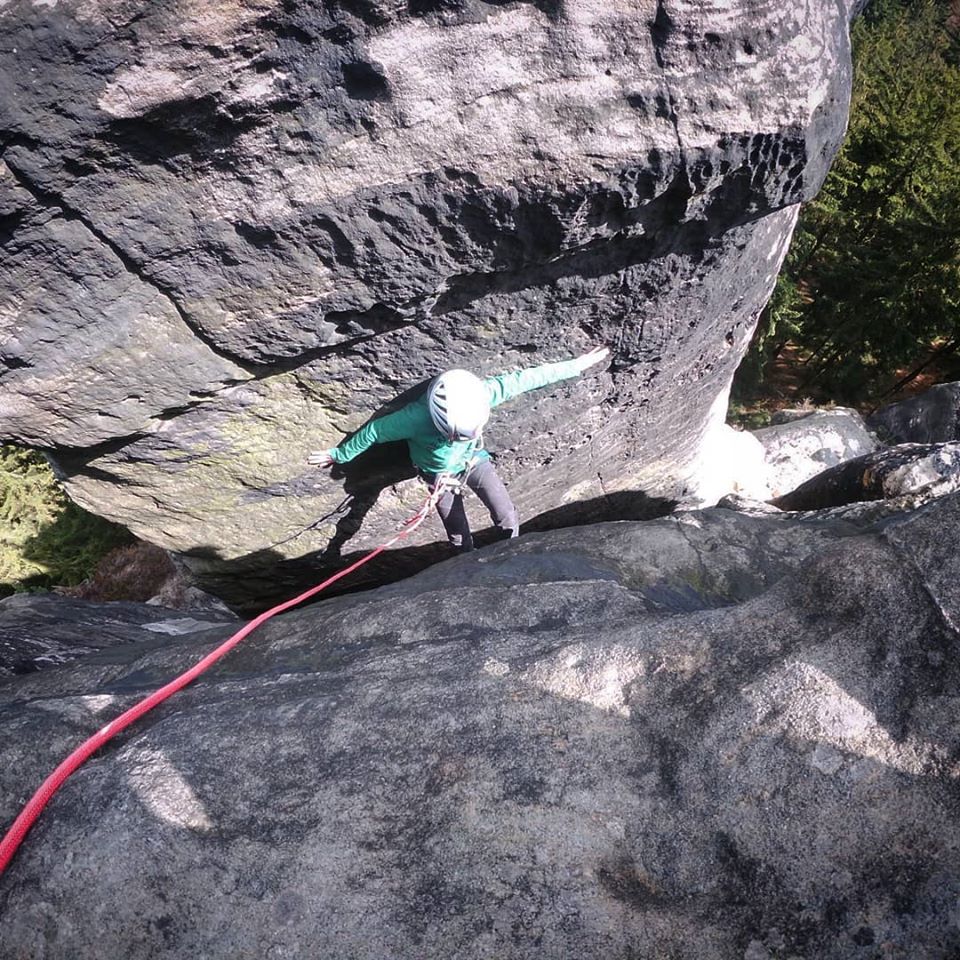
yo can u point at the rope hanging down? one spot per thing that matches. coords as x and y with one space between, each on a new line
29 814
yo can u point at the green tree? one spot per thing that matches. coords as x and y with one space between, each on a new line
872 279
45 538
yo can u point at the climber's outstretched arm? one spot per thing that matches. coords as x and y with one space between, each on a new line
506 386
394 426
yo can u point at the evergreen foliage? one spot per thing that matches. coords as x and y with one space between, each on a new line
872 280
45 538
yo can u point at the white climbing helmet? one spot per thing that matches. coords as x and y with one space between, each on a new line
459 404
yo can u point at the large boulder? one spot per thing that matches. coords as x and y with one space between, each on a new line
709 736
39 630
233 232
805 443
930 417
908 469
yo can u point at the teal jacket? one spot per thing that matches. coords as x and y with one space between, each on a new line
429 449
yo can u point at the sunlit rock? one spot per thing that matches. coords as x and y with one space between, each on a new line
908 469
805 443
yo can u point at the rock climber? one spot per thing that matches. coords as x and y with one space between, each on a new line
444 432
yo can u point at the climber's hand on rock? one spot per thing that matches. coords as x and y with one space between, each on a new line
321 458
597 355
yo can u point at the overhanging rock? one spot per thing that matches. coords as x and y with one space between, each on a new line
234 234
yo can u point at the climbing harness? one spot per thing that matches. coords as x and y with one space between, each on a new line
450 482
15 835
455 483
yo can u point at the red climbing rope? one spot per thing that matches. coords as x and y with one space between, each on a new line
29 814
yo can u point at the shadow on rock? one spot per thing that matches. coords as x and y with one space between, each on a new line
621 505
252 583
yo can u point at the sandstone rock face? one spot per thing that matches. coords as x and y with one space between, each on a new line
930 417
802 446
234 231
710 736
38 631
908 469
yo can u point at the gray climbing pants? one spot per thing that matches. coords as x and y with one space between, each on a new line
483 480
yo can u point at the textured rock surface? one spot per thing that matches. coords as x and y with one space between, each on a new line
803 446
926 469
930 417
710 736
43 630
233 231
857 515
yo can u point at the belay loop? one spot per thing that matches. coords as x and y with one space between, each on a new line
449 482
